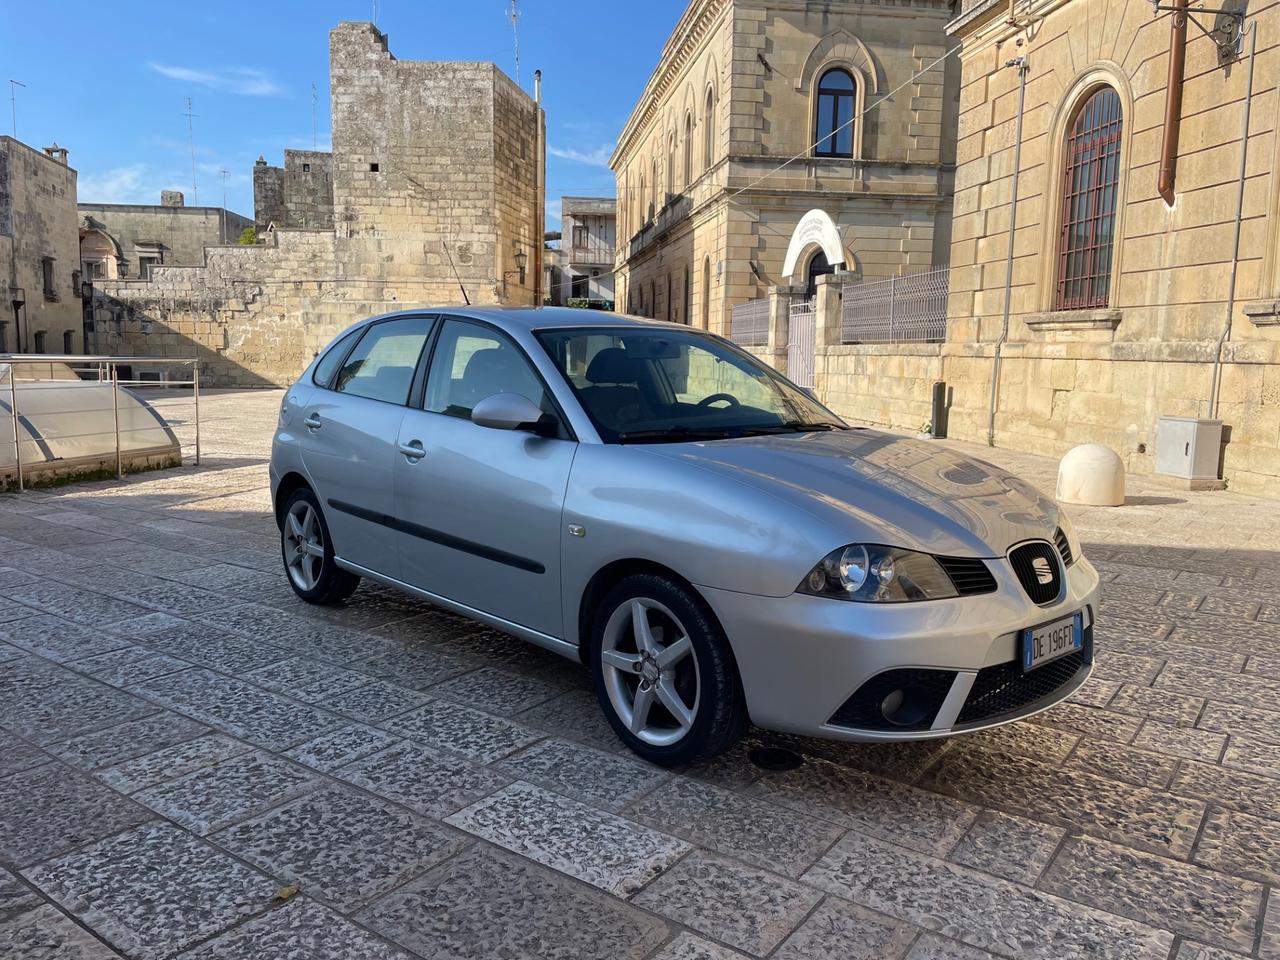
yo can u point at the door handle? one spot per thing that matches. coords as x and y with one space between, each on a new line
413 450
312 422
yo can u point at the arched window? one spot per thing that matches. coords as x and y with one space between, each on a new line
833 127
687 155
640 204
671 164
653 195
1091 175
709 131
706 293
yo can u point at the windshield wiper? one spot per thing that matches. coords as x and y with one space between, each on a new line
678 432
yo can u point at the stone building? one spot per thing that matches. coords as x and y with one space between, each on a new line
706 217
119 241
587 247
39 251
297 195
437 173
1130 299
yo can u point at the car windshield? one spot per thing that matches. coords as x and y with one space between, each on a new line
656 385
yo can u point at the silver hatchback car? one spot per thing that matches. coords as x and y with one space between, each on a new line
713 543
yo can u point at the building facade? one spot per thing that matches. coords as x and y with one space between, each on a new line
437 174
119 241
588 237
762 111
39 251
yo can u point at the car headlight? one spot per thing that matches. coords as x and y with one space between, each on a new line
873 574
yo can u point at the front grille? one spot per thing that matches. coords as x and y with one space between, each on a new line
969 576
1039 569
862 710
1064 547
1005 689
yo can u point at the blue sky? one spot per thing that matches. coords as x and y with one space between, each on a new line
110 81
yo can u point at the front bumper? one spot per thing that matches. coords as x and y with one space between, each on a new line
803 658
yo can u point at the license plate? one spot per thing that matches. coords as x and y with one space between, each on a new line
1049 641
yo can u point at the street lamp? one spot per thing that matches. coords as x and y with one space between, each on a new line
521 259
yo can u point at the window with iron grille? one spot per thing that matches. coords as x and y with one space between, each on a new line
1090 181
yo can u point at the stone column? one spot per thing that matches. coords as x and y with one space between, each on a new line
827 317
780 298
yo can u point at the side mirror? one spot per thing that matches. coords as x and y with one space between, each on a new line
508 411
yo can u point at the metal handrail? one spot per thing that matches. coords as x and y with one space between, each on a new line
110 367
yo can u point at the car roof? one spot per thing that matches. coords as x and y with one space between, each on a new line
541 318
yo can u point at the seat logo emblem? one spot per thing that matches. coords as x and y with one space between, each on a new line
1044 572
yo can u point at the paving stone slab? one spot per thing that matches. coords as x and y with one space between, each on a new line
1134 815
687 946
494 691
1176 708
52 808
299 930
1111 664
340 847
916 818
574 715
487 903
1180 741
1014 848
1115 761
153 890
72 603
1241 720
1096 692
1028 739
1202 904
930 946
749 829
374 700
616 855
1089 721
982 911
210 647
339 747
170 763
841 929
475 735
209 799
56 638
1230 788
133 738
1269 945
1238 844
426 781
16 754
1256 756
46 703
45 933
606 780
15 897
1190 950
748 908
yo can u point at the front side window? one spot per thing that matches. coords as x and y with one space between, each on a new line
833 127
382 364
641 385
1090 182
472 362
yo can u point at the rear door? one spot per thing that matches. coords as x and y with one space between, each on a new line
480 509
349 429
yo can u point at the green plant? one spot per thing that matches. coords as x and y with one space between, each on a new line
248 237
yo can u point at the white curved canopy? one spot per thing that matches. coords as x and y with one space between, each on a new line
815 227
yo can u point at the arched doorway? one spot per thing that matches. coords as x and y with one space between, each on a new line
818 267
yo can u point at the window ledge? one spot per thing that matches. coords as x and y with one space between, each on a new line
1105 319
1263 313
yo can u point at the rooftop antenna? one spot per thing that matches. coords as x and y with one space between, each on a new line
13 103
375 12
513 17
465 298
224 173
191 142
313 114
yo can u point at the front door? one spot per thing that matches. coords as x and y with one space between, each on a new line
479 510
349 430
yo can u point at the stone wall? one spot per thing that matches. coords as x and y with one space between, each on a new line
425 155
37 221
298 195
183 232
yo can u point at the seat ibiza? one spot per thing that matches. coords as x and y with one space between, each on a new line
713 543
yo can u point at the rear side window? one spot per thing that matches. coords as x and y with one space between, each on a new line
328 365
382 364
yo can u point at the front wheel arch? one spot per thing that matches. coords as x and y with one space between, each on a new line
611 574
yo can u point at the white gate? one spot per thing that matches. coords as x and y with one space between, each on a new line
801 343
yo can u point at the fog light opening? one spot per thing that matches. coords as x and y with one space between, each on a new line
905 707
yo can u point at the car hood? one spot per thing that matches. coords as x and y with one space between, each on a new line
879 488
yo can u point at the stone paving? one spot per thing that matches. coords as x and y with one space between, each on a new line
194 764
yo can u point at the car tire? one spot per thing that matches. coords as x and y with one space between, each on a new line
636 679
307 551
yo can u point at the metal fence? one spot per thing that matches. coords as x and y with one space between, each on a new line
133 372
910 309
749 325
802 342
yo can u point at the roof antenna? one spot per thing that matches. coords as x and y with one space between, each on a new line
465 298
513 17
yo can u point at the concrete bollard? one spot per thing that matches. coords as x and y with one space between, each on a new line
1091 474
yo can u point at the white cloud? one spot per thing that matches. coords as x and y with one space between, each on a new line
599 157
246 81
117 185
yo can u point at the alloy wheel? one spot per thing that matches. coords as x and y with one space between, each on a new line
650 671
303 545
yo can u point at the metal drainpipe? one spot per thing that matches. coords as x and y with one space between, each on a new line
1021 64
1235 250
